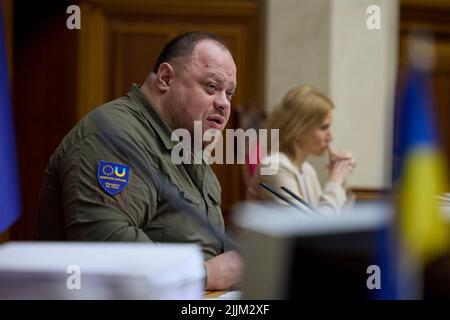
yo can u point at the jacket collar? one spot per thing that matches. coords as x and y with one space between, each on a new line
158 124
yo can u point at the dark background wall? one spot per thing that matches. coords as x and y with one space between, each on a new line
44 94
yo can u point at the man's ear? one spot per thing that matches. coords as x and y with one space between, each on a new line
164 76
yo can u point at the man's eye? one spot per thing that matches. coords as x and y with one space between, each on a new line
230 95
212 87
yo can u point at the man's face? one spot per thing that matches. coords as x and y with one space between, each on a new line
202 88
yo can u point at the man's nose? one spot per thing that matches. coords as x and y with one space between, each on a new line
222 103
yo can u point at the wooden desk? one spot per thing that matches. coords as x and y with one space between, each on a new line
213 294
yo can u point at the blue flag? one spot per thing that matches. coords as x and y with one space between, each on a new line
9 179
420 171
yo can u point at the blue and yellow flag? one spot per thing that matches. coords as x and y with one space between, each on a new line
419 167
9 179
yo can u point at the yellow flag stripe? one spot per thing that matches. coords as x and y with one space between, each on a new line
423 227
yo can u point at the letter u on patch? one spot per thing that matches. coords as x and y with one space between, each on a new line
116 171
113 181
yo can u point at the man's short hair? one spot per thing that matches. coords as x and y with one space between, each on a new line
183 46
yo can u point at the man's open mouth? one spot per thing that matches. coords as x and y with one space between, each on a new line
217 119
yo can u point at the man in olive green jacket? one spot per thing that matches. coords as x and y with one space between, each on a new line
94 191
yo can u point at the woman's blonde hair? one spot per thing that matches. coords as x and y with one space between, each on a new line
302 109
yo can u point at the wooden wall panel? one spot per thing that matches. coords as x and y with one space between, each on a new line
7 10
92 60
44 95
141 44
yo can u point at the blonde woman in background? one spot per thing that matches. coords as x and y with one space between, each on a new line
304 118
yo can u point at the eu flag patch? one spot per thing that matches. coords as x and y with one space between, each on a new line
113 177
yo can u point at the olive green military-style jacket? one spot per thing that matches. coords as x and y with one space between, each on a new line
92 190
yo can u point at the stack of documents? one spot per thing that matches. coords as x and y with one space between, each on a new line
83 270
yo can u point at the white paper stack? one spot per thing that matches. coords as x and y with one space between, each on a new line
83 270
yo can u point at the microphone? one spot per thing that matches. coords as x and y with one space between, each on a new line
296 197
271 190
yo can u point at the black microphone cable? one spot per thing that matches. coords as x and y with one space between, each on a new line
296 197
280 196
